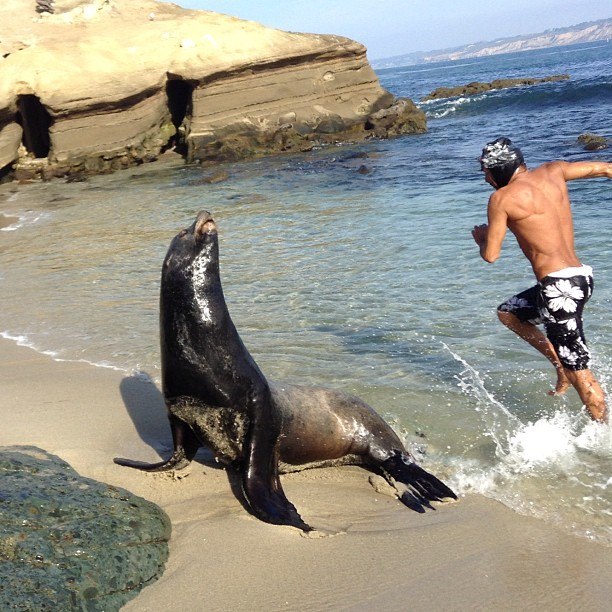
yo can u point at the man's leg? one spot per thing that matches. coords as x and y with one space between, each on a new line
590 393
583 381
534 336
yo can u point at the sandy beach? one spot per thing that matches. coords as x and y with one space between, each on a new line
474 554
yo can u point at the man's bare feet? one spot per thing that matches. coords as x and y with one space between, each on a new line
563 383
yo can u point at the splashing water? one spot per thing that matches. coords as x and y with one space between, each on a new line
554 467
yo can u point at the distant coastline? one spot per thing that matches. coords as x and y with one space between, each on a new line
590 31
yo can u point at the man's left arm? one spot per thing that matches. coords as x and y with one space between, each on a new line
584 169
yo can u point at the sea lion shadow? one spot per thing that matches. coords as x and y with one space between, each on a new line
145 405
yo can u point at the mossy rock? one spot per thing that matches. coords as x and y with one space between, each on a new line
72 543
593 142
477 87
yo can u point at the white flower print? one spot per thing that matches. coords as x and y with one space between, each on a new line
566 355
563 296
515 303
570 324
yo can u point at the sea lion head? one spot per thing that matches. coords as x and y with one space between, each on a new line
194 251
190 280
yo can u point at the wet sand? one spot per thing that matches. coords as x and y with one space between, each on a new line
474 554
7 221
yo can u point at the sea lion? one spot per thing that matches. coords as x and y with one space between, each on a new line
218 397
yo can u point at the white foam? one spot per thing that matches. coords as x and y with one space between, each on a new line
549 442
22 340
24 218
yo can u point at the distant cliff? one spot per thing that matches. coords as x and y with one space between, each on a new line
581 33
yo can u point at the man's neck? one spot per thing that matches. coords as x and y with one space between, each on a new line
519 172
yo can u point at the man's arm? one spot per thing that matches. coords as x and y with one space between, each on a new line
584 169
490 237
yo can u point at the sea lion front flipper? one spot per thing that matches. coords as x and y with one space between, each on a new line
270 503
186 445
261 485
178 461
424 487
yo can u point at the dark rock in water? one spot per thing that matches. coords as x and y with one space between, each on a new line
477 87
402 117
593 142
211 179
72 543
44 6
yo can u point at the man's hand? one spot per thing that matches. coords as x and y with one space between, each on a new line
479 233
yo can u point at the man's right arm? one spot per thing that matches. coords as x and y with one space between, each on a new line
490 239
584 169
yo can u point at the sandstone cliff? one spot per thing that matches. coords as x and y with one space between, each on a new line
102 84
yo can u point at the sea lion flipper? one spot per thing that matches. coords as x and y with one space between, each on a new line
425 487
186 445
178 461
261 485
269 504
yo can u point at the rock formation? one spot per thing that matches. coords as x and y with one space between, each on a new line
593 142
72 543
477 87
97 85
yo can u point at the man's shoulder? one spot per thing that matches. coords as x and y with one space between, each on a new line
502 201
515 190
555 167
516 198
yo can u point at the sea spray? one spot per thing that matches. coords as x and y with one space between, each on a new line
497 420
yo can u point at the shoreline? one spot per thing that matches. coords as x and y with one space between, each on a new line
472 554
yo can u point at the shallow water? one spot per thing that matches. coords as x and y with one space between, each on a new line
368 282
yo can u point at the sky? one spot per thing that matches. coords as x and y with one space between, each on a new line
395 27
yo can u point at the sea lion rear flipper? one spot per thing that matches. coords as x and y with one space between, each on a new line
423 486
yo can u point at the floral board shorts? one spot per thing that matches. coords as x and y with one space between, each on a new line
557 302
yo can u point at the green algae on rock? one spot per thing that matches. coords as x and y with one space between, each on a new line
72 543
593 142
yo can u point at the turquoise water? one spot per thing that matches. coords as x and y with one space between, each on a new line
368 281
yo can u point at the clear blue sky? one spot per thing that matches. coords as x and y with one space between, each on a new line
394 27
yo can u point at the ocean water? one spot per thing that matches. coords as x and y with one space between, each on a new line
354 267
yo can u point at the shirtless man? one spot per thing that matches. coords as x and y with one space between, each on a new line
535 206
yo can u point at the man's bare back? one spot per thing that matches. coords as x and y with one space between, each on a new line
534 205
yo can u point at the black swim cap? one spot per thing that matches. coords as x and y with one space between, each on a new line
502 159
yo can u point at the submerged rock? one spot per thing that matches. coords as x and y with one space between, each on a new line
593 142
477 87
71 543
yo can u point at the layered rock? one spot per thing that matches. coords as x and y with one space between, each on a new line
103 84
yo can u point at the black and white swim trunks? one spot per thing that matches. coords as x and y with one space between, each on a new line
557 302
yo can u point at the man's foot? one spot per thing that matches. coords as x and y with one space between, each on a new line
563 384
